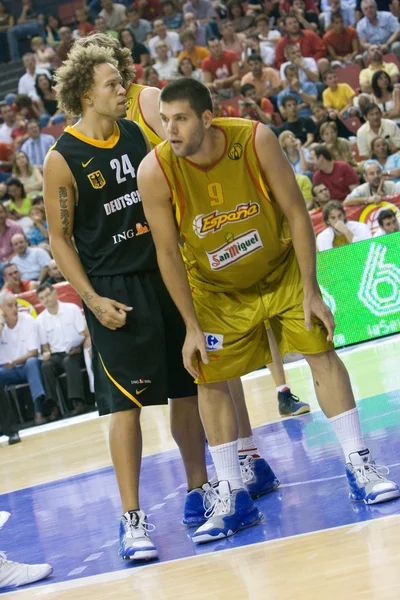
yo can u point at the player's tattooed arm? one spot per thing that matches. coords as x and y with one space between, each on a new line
64 212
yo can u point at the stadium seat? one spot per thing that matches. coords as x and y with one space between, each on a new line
353 123
391 57
54 130
350 75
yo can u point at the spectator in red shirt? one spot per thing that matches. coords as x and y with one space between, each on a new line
221 110
6 157
84 27
338 176
148 9
310 43
342 43
221 69
7 229
252 108
13 282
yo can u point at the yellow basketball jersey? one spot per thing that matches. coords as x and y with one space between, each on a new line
134 113
233 230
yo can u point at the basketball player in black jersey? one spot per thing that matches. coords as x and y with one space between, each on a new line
101 242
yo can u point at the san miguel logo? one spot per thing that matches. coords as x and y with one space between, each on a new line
235 151
204 224
230 253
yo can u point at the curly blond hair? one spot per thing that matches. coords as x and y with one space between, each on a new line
75 77
123 56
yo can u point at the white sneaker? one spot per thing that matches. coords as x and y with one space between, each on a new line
134 540
367 480
13 574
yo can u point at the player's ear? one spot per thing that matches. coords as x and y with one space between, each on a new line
87 99
207 117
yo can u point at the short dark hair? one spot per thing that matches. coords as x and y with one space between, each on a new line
288 98
255 57
322 150
34 120
23 100
132 9
212 39
246 87
313 189
328 72
336 16
290 66
330 206
44 286
386 213
193 91
368 107
7 266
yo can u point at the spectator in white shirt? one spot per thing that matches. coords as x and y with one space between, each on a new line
37 145
340 231
253 45
375 188
308 68
62 333
31 262
375 127
27 82
161 34
113 14
19 350
8 116
166 67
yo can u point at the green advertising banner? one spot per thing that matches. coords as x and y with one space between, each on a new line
361 285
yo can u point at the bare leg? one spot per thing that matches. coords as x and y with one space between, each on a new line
126 454
276 367
331 383
218 413
237 393
188 432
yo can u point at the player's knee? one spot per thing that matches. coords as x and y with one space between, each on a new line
323 361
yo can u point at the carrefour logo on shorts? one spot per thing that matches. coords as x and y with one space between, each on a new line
214 221
241 246
214 341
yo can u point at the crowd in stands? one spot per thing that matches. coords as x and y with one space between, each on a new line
322 75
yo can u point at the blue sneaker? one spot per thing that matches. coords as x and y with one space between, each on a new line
230 512
196 503
367 482
290 405
258 477
134 540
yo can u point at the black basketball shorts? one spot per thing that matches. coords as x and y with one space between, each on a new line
142 361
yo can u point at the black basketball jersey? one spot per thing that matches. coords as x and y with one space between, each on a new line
110 228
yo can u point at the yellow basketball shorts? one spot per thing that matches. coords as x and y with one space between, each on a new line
235 326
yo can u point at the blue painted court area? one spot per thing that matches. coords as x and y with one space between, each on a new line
73 523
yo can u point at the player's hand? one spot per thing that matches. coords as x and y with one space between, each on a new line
195 343
340 227
110 313
313 305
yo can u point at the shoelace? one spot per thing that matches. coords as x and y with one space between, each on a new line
209 499
143 527
371 472
3 559
246 470
220 506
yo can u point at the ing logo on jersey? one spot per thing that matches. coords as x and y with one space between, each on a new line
235 151
97 180
204 224
129 102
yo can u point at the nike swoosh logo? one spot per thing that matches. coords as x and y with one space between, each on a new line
84 165
140 391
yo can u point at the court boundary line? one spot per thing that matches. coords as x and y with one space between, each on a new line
249 377
127 572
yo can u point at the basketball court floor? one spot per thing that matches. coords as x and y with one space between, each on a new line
314 544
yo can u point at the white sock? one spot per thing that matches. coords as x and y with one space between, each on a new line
348 431
280 388
226 461
248 447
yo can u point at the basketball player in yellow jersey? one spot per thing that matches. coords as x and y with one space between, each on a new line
249 239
